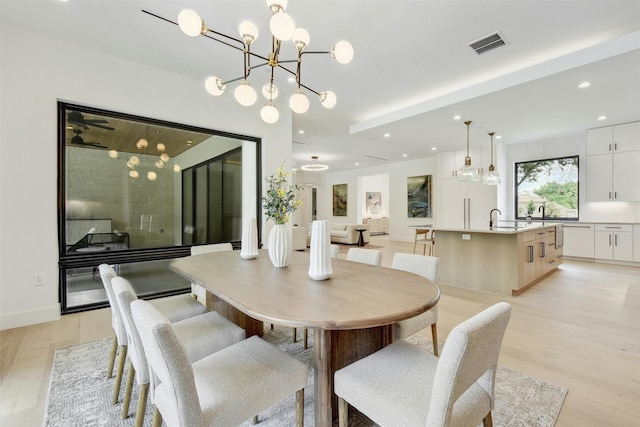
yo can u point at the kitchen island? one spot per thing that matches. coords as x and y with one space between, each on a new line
503 259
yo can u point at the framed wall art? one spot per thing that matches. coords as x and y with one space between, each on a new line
340 200
419 191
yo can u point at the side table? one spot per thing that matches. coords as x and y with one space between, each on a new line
361 238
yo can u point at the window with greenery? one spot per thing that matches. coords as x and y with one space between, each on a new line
549 183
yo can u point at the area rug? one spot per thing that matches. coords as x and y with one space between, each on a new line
80 394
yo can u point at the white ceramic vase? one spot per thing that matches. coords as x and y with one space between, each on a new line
279 245
320 251
249 244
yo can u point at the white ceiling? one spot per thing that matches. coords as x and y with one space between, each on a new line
412 70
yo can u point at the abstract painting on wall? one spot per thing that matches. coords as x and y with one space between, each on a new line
419 190
340 200
374 203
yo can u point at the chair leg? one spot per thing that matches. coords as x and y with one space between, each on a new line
112 357
414 246
343 412
434 336
254 420
127 390
305 338
121 362
157 418
487 421
142 404
300 407
295 335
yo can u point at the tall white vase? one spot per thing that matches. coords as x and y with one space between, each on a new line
320 251
249 244
279 245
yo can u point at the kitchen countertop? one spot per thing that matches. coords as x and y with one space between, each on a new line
501 229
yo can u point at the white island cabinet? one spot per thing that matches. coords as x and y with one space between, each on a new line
613 153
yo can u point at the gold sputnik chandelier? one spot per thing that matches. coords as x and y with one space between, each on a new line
282 29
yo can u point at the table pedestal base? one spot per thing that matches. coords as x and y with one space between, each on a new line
249 324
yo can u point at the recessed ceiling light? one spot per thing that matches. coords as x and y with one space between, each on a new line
357 164
602 118
456 117
498 136
433 148
387 135
301 131
584 84
404 155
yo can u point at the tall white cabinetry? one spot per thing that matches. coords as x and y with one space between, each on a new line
613 153
454 195
614 242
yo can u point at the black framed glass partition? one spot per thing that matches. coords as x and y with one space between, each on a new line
135 193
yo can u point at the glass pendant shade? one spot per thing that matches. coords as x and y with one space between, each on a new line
277 4
468 172
328 99
190 23
245 94
282 26
493 177
342 52
248 32
214 86
269 113
299 102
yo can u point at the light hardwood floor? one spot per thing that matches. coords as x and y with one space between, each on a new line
579 328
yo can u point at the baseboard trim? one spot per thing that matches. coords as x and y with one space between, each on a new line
26 318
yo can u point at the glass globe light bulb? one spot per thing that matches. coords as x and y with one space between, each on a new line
282 26
160 146
214 86
328 99
164 157
134 174
142 144
342 52
190 23
134 160
176 168
299 102
152 176
269 91
113 154
159 164
301 38
269 113
248 32
245 94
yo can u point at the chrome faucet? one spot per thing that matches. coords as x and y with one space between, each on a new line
491 216
541 208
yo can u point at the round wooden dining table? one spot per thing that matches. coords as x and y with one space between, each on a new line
351 313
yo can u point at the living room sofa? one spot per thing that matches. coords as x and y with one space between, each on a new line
347 233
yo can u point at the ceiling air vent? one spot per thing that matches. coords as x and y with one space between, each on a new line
488 43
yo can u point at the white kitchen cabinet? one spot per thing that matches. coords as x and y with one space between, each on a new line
614 242
636 243
579 240
613 154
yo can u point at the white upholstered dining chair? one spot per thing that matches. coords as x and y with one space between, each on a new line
177 307
405 385
365 256
224 389
196 289
200 335
425 266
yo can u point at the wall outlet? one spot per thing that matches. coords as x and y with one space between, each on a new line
38 279
466 237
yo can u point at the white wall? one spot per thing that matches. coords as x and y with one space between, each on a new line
35 73
568 145
396 195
